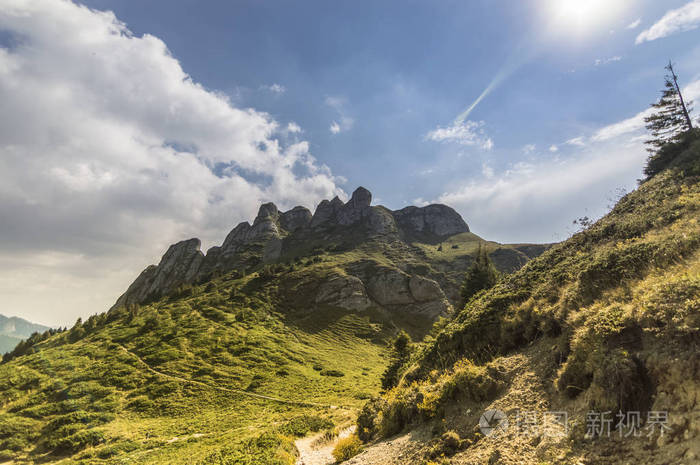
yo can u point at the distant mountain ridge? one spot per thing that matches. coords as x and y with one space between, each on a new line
14 329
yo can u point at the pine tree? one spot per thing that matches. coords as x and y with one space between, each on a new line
400 353
480 275
672 115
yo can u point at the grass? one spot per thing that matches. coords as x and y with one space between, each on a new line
609 297
347 448
81 397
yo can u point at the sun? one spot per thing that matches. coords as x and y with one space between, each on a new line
582 17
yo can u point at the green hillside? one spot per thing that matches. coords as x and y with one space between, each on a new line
607 321
285 335
189 376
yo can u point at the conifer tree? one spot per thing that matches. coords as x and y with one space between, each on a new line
400 353
672 115
480 275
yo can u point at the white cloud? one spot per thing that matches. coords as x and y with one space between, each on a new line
530 200
420 202
487 171
343 122
636 124
335 102
629 125
605 61
109 152
681 19
529 149
553 148
511 205
576 141
634 24
275 88
469 133
293 128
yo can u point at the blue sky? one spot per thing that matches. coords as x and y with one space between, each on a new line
399 70
127 126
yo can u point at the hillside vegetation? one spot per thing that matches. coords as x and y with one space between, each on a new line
226 358
214 374
607 321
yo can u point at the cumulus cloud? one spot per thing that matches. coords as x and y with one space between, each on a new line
469 133
553 148
681 19
109 151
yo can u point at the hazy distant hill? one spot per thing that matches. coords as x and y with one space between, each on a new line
14 329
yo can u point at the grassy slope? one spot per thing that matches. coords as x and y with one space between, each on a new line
607 320
94 400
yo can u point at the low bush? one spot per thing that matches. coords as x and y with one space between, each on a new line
266 449
304 424
347 448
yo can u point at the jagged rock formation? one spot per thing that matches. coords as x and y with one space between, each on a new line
282 236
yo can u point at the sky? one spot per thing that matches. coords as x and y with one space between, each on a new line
127 126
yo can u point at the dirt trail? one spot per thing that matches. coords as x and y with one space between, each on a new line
313 450
402 449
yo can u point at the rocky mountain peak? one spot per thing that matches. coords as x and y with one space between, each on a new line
264 240
437 220
360 198
267 210
296 218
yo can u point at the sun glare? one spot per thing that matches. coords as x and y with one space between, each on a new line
582 17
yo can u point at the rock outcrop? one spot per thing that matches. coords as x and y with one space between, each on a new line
342 291
296 218
179 265
437 220
354 222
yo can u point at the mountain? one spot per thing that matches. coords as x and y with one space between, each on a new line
227 357
590 351
409 261
14 329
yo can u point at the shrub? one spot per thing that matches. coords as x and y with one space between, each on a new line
347 448
267 449
367 420
334 373
400 353
141 404
79 440
304 424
